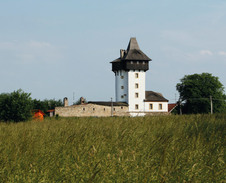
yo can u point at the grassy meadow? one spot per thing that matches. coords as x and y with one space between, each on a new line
188 148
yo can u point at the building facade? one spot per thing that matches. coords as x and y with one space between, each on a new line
131 98
130 69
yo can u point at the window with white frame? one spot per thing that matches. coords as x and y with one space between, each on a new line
160 106
150 106
136 85
136 95
136 106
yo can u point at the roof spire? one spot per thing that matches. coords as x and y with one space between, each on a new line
133 44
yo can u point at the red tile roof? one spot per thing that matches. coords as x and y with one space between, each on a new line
171 107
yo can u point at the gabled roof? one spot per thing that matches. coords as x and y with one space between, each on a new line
171 107
108 103
151 96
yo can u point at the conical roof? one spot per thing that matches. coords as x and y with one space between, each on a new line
133 44
134 52
131 59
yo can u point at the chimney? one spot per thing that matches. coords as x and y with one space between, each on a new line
65 102
122 52
82 100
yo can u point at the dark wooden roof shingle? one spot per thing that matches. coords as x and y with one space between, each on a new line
151 96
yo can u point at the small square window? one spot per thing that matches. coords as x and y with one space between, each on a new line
160 106
104 109
136 75
122 87
136 85
114 109
84 109
151 106
121 107
122 96
93 109
136 106
122 77
136 95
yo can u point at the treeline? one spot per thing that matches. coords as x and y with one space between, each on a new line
18 106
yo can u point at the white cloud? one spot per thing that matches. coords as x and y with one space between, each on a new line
223 53
29 52
206 52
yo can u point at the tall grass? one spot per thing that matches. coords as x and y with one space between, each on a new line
144 149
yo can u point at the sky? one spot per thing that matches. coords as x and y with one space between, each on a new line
55 49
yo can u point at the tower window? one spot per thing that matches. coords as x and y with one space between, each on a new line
122 87
122 77
136 75
136 95
122 96
136 85
136 106
160 106
151 106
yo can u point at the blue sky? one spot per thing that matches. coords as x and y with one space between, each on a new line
55 48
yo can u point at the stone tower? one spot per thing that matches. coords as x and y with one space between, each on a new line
129 71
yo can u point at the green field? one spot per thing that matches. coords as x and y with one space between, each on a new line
144 149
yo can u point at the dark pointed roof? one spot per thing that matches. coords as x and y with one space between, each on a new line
151 96
133 53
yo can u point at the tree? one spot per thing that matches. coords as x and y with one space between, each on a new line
15 106
45 105
196 92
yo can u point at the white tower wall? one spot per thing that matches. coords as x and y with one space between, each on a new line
121 86
130 88
136 85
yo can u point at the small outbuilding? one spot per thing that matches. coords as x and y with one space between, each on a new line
38 114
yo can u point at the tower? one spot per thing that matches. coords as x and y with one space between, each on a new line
129 71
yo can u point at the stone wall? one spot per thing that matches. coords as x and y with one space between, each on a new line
85 110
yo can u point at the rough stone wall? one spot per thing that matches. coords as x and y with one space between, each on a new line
85 110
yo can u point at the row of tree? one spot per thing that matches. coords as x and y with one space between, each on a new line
18 105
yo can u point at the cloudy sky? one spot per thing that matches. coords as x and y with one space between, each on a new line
54 48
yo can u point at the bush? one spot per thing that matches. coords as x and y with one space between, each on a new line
15 106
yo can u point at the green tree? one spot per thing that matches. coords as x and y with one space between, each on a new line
46 104
195 92
15 106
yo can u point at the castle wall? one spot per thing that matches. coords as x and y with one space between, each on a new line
85 110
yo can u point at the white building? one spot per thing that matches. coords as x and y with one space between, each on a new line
131 97
130 69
